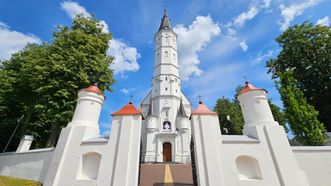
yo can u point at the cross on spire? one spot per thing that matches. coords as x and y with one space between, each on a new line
246 81
131 96
199 96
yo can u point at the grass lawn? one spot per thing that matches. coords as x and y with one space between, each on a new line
10 181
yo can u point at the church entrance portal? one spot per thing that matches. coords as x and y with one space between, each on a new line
167 152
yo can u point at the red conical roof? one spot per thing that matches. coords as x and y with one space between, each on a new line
202 109
128 109
94 88
249 87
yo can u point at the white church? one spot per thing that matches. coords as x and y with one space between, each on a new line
167 142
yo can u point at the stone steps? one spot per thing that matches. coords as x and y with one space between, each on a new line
165 175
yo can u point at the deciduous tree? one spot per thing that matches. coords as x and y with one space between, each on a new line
306 50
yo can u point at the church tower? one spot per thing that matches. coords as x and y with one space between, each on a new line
166 131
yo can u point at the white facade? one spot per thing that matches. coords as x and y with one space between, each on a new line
165 108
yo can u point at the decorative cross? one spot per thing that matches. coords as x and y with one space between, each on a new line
246 81
131 96
199 96
245 76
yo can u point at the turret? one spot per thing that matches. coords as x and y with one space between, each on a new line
88 107
207 139
182 122
254 105
151 118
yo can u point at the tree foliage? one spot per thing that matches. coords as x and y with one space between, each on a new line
306 50
225 107
301 116
41 82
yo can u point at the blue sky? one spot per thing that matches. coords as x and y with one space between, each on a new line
220 41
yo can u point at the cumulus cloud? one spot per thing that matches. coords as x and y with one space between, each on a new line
262 57
324 21
125 55
73 9
293 10
12 41
243 46
252 11
191 40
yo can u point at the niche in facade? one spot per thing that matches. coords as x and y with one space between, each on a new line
248 168
89 168
166 125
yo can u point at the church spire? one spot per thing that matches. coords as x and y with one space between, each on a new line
151 111
181 110
165 21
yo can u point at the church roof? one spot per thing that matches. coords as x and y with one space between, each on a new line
128 109
93 88
202 109
165 22
181 110
249 87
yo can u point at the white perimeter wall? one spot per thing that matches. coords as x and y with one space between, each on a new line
31 165
316 163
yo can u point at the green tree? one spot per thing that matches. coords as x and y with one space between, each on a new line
20 75
79 57
301 116
227 108
306 50
41 82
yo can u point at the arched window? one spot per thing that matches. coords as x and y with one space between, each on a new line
89 168
166 53
248 168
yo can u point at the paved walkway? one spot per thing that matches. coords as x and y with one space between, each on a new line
166 175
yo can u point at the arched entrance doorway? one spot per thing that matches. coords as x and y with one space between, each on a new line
167 152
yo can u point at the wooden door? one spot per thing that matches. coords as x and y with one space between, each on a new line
167 152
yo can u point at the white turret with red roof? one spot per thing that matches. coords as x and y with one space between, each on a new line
254 105
88 108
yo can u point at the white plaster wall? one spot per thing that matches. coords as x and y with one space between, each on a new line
316 163
31 165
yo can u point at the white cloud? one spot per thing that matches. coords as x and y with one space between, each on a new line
324 21
243 46
125 56
246 16
73 9
12 41
125 91
252 11
262 57
295 9
191 40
